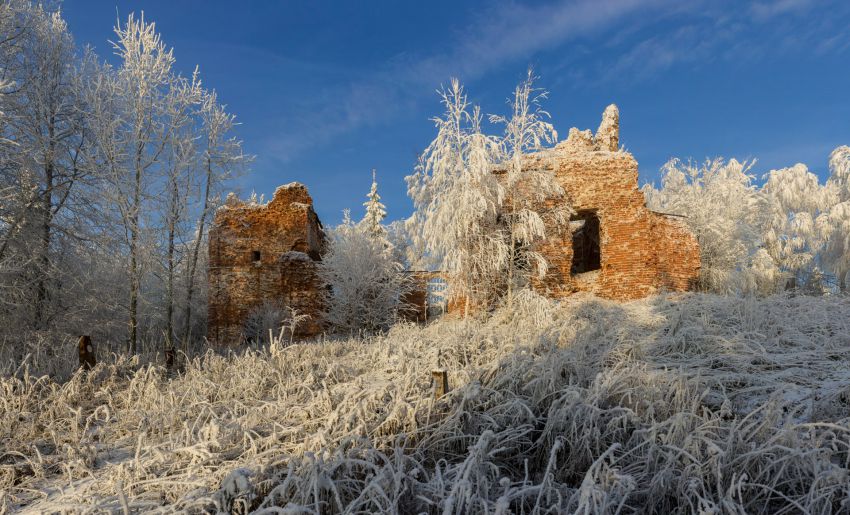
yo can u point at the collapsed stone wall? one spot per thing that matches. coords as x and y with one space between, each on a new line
264 256
640 252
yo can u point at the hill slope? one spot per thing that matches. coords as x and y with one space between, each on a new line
669 404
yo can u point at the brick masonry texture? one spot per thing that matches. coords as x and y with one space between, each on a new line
642 252
265 252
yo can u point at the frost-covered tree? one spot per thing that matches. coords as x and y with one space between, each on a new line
792 232
835 226
132 132
527 185
142 118
108 176
178 170
458 199
726 213
219 158
481 202
796 206
366 282
375 212
43 118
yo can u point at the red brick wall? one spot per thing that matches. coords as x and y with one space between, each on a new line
641 251
288 235
677 251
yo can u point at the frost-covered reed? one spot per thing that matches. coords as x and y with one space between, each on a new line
692 403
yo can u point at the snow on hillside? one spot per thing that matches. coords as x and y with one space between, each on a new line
673 404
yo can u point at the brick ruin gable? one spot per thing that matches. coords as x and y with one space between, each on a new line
640 252
262 253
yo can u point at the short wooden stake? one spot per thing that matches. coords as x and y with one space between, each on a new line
441 382
86 350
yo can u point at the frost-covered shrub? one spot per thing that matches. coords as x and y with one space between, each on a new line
789 233
262 319
366 283
726 213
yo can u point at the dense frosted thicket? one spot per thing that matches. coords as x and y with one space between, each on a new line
789 233
363 272
666 405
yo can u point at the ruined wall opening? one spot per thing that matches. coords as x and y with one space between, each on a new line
587 257
255 256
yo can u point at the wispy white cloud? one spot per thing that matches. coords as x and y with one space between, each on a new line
504 34
765 10
743 33
607 41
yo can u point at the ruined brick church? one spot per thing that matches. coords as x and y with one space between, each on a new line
616 247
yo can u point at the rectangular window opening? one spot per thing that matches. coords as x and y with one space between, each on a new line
255 256
584 226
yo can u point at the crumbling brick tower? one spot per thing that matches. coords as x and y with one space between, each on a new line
616 247
264 253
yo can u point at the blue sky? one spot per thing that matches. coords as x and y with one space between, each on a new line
326 91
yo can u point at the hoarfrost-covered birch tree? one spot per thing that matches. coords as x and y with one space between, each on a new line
184 97
44 134
133 131
790 233
137 143
220 159
482 205
724 210
528 185
108 176
836 224
457 199
797 205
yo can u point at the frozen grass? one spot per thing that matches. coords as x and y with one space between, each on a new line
681 404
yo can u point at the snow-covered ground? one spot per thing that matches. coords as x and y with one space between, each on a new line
679 403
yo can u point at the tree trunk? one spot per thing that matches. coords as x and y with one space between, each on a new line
44 250
46 221
193 263
169 289
135 280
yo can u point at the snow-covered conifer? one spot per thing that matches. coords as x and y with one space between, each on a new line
375 212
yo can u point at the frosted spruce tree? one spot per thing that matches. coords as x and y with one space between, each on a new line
375 213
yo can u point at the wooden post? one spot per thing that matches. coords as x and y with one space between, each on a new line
169 357
86 350
440 379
